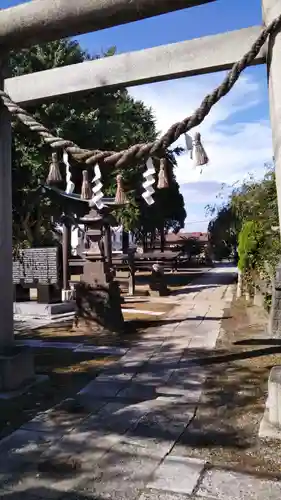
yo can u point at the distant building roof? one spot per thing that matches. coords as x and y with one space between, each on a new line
181 237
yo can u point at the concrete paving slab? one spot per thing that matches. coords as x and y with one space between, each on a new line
102 389
82 450
158 430
117 417
162 495
137 392
58 420
177 475
153 378
22 447
147 445
121 476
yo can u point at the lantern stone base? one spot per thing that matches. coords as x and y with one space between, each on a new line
99 307
16 368
157 283
48 311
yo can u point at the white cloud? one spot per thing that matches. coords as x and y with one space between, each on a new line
235 144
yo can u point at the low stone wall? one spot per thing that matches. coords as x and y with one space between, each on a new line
275 312
256 294
262 289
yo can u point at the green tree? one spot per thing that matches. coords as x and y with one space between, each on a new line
250 216
192 247
224 230
103 119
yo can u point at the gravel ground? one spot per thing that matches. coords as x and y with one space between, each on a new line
225 429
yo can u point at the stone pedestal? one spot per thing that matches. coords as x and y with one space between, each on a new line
16 368
99 307
44 311
239 285
258 298
157 283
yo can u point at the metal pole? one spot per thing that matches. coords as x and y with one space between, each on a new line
6 245
41 21
271 9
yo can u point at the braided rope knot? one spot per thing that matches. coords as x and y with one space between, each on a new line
97 189
142 152
148 175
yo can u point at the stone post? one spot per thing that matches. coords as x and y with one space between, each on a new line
239 285
6 245
66 245
108 244
158 285
125 241
132 272
16 364
272 9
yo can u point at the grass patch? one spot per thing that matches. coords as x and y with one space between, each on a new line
148 305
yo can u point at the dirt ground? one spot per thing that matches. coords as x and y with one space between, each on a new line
225 429
67 372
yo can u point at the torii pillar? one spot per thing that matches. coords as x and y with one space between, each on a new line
6 248
271 10
16 365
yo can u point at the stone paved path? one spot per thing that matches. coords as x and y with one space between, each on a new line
118 444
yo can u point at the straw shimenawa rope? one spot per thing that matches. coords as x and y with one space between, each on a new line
145 150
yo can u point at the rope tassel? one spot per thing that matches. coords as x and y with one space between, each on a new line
54 173
163 181
120 196
148 184
86 192
70 186
198 153
97 193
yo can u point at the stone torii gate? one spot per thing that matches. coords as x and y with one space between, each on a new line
38 21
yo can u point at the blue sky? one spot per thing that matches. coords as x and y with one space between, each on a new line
237 132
